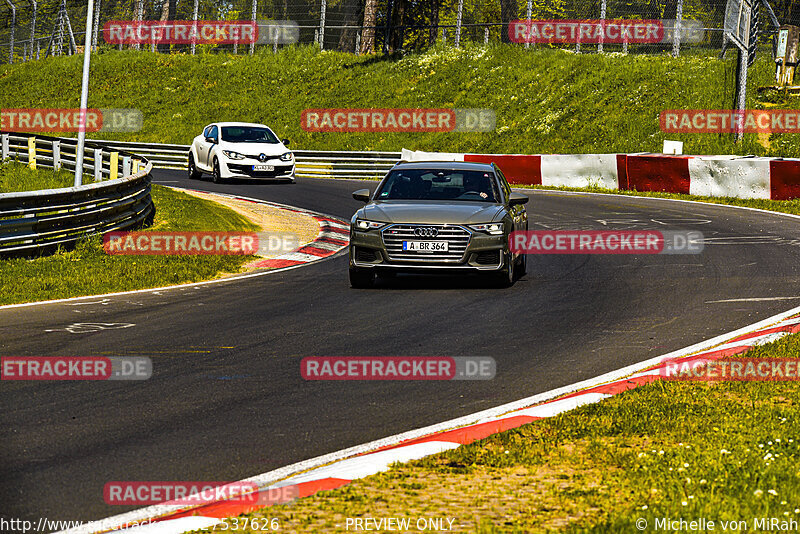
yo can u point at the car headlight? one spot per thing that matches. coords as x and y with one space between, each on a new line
287 157
232 155
488 228
365 225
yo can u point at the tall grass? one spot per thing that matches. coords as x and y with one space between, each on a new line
546 100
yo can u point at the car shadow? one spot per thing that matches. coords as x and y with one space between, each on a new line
409 281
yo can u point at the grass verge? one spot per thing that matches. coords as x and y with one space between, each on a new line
546 100
724 451
15 177
88 270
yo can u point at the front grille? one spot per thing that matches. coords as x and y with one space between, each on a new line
248 170
490 257
457 238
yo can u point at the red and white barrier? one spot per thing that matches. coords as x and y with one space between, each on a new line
715 176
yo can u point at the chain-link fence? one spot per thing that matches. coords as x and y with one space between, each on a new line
32 29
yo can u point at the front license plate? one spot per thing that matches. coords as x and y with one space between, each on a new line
425 246
263 167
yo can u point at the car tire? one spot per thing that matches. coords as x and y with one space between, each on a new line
216 176
506 276
194 174
523 265
361 278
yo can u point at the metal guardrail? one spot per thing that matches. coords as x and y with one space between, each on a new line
41 220
310 163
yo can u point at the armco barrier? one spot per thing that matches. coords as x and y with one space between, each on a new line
719 176
310 163
38 220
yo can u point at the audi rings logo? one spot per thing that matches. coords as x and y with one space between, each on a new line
426 232
262 157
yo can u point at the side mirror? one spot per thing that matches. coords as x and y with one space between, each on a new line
285 142
211 140
363 195
515 199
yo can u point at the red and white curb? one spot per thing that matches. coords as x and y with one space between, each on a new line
338 469
331 239
714 176
333 236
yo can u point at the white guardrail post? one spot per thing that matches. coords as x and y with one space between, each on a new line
56 154
126 166
98 164
4 144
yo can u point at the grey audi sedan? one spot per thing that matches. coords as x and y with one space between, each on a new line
434 216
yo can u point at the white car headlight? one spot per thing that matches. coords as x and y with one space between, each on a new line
488 228
365 225
287 157
232 155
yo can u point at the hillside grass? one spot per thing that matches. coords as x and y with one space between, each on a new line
546 100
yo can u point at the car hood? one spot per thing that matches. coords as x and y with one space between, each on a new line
254 149
430 212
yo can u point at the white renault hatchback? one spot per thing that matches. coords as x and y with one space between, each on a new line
240 150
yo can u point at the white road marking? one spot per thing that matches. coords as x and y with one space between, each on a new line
753 299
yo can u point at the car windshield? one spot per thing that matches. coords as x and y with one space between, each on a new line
444 184
248 134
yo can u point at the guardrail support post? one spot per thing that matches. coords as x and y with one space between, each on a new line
126 166
56 155
32 152
98 164
113 166
4 144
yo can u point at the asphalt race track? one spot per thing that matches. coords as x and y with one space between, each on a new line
226 400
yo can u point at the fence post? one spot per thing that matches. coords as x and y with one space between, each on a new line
275 44
35 7
56 154
194 30
486 35
528 12
113 166
13 27
32 152
4 146
603 20
676 38
96 27
253 18
458 22
126 166
358 42
322 8
98 164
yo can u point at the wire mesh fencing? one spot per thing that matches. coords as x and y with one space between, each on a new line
34 29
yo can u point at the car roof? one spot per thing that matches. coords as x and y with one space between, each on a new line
445 165
238 124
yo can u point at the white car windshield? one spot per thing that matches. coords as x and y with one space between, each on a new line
248 134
